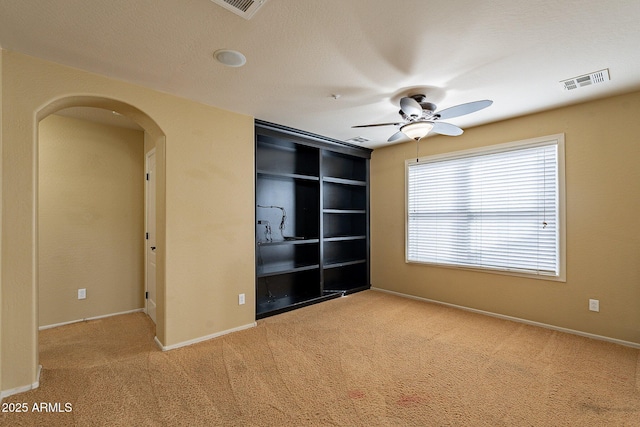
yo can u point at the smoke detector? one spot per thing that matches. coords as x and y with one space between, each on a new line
230 58
586 80
244 8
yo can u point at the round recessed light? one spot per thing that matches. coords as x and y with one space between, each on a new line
230 58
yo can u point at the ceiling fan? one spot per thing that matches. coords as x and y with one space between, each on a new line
420 117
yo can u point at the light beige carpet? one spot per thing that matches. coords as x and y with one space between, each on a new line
369 359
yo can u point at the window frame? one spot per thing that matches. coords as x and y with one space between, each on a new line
557 139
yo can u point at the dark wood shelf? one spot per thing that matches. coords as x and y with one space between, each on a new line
288 175
286 303
347 288
319 189
289 242
346 277
344 252
278 154
344 211
284 268
345 263
344 181
342 166
344 238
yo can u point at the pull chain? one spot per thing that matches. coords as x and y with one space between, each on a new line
544 191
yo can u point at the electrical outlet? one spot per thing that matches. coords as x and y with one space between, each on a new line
82 293
594 305
240 299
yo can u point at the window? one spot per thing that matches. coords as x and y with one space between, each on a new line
499 208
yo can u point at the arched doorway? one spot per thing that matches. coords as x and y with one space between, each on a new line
153 139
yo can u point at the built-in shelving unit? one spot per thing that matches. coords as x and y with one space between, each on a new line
345 218
312 218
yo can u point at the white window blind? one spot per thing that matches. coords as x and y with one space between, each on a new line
495 209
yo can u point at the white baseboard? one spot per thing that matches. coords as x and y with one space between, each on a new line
205 338
55 325
22 389
514 319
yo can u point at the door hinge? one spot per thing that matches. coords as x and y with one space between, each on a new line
146 295
146 236
147 177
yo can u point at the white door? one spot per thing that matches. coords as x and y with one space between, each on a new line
150 276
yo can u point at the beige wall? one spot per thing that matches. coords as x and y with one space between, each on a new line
90 219
1 157
206 181
603 230
149 143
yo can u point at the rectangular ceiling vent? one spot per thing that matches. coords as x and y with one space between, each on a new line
244 8
586 80
358 140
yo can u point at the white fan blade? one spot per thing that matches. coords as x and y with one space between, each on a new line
446 129
462 109
377 124
398 136
410 107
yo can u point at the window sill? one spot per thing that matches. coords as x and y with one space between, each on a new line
560 278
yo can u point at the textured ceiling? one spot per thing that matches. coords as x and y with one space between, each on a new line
369 52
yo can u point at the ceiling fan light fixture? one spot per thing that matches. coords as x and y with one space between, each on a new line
417 130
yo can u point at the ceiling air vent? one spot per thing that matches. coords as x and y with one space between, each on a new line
244 8
586 80
358 140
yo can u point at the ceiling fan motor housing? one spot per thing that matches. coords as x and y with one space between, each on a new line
422 100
